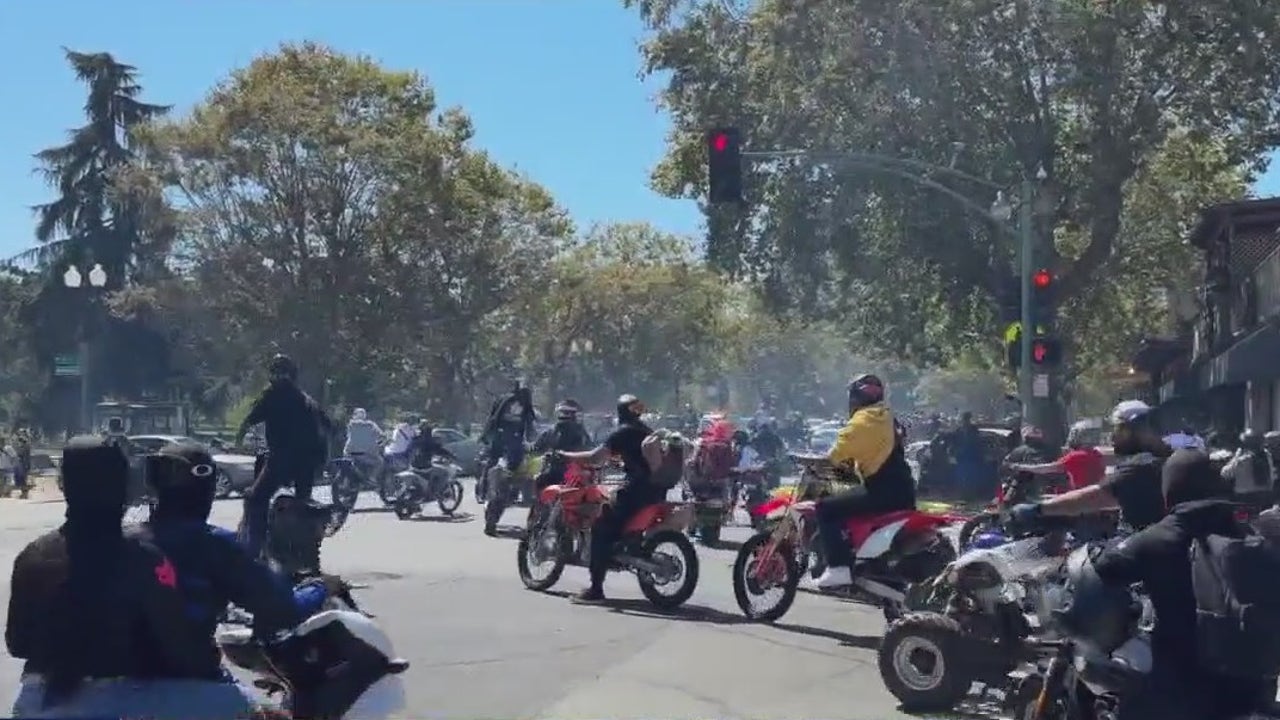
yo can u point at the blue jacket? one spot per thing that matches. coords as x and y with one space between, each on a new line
214 569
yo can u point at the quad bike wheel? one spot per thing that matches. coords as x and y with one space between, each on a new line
922 662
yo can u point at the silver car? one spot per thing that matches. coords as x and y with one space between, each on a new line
466 449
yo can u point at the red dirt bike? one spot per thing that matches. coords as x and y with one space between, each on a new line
891 552
653 546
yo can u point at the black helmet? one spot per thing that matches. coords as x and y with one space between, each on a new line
1101 614
567 410
185 480
282 367
629 408
864 390
1251 439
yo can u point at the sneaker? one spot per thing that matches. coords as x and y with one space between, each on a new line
835 577
590 596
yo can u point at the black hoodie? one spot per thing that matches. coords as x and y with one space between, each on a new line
85 601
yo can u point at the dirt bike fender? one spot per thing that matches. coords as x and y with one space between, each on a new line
879 542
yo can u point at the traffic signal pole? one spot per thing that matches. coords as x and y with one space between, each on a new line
1026 238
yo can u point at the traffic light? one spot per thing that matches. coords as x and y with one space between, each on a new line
1046 352
1043 302
724 165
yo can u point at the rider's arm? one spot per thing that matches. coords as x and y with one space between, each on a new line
1050 468
590 457
1093 498
257 413
866 441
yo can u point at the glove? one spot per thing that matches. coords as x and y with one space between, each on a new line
1025 513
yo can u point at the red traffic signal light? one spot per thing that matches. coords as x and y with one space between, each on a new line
724 165
1042 279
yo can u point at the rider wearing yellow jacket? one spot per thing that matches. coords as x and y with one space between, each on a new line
870 443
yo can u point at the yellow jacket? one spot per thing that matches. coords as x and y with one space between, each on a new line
866 441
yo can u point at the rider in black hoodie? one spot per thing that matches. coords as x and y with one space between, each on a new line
1177 688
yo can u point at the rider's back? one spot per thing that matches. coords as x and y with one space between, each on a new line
871 443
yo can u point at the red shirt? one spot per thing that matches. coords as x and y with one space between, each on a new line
1084 467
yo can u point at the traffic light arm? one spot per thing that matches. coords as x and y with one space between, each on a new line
865 158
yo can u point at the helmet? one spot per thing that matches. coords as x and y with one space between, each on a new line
185 479
359 415
567 410
1100 614
629 408
864 390
1078 434
1251 439
282 367
1031 432
1131 412
741 437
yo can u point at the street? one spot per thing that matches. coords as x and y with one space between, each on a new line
481 645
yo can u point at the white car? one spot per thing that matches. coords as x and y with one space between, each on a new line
235 471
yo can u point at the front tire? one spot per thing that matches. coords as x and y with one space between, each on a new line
525 554
921 661
745 586
689 575
450 497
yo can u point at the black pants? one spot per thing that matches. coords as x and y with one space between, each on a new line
1193 696
834 511
630 500
279 470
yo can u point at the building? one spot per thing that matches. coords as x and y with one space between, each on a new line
1226 369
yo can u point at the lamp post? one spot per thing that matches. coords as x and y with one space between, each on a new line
73 280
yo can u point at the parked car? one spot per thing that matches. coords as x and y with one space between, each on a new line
235 470
468 450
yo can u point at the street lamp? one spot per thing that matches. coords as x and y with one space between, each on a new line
73 280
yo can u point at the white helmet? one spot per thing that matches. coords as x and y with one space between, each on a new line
359 415
1129 412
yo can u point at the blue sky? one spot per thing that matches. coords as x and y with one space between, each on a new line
552 85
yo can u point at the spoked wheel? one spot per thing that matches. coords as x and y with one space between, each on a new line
338 513
762 572
673 551
450 497
343 496
542 555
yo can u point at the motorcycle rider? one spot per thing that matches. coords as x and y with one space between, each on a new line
213 569
510 424
637 493
1134 487
297 431
871 443
1082 464
567 435
1178 686
364 440
98 616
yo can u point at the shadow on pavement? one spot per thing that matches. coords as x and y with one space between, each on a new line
455 518
865 642
363 510
688 611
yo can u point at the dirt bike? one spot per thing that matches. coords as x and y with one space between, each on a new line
892 551
505 488
713 507
411 489
562 537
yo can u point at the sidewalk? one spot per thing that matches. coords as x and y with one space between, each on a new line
44 489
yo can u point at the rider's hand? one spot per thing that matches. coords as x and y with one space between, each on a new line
1026 513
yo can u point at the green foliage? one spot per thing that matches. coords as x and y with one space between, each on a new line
1089 91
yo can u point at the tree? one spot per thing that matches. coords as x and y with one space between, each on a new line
1088 91
96 219
330 215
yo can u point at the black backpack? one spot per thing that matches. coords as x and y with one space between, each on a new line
1237 604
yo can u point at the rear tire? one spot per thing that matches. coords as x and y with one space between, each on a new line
689 580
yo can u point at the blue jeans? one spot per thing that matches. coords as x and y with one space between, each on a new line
138 699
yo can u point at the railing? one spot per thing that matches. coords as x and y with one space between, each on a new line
1266 284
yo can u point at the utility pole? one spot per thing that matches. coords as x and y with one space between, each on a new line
1026 238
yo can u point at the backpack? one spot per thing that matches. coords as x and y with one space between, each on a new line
1237 604
714 460
671 469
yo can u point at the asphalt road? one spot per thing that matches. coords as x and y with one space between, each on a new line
481 645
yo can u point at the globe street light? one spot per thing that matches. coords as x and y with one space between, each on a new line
73 280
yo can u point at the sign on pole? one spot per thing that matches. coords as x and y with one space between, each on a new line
66 366
1014 331
1040 386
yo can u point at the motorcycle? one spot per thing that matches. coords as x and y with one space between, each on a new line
346 481
892 551
411 489
980 615
337 664
562 537
505 488
713 505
